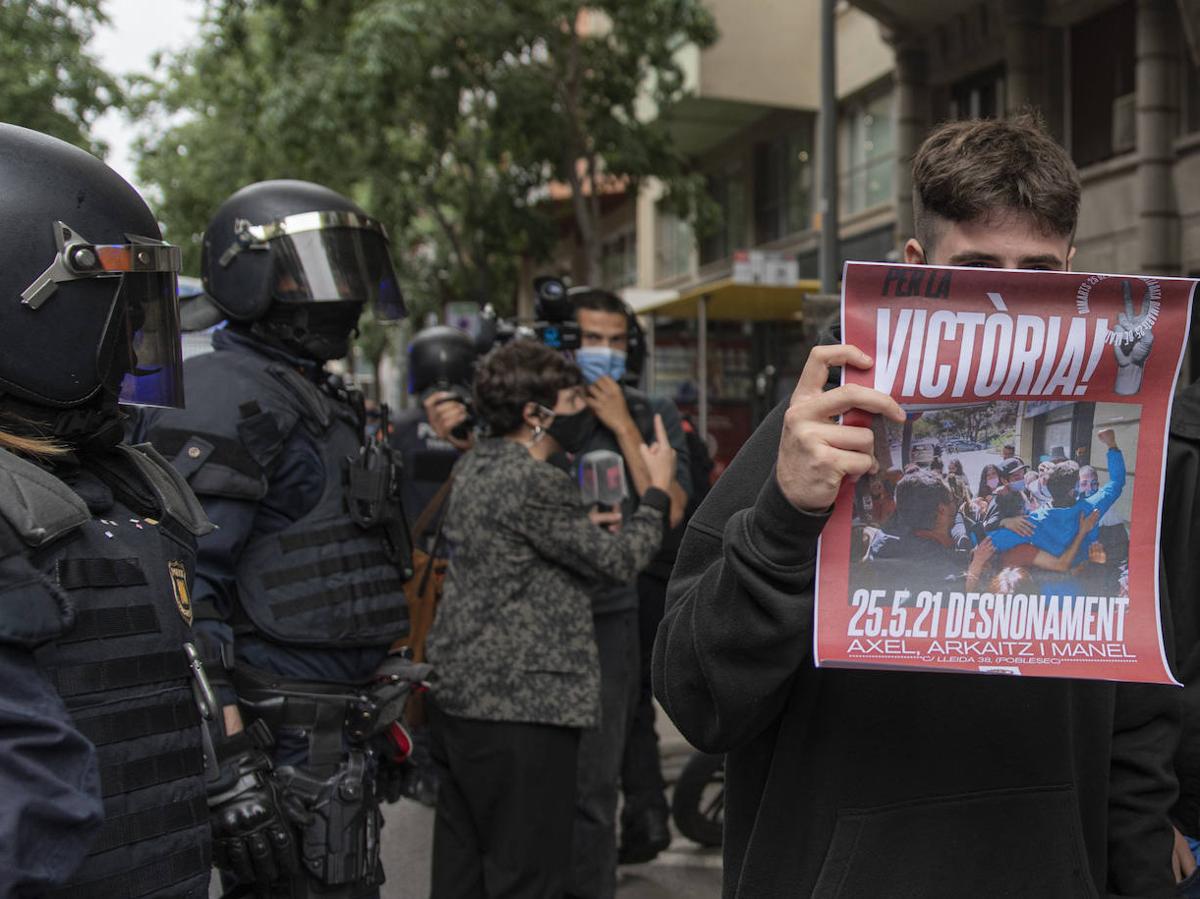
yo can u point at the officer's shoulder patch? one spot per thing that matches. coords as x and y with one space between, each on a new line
179 586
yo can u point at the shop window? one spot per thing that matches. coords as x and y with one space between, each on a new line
728 191
980 96
783 184
1059 428
867 152
1102 84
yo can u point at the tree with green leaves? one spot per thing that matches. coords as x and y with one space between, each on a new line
318 91
49 81
448 119
569 99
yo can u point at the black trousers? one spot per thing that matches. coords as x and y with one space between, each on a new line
641 768
594 866
505 805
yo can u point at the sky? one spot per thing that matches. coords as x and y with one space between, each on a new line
136 30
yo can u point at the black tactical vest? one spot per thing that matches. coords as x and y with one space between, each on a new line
324 580
120 668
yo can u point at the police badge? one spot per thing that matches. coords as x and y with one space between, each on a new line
183 599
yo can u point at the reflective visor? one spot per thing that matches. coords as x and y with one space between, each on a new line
155 375
337 264
78 259
144 329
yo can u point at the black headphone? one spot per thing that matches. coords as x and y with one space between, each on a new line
635 341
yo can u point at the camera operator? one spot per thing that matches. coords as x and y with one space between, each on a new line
624 421
518 673
431 437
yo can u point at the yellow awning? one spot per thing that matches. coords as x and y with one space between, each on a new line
729 301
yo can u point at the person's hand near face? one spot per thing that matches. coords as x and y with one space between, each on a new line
445 412
815 454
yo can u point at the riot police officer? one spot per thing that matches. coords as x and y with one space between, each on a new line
431 437
98 715
299 591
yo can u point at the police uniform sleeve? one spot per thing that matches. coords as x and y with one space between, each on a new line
48 772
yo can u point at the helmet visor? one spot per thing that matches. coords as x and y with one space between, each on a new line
155 367
337 264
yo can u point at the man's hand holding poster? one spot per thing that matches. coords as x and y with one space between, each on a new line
1011 525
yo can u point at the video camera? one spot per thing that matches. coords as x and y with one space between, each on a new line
555 324
442 360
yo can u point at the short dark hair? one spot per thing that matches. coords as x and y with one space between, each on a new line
519 372
966 171
598 300
918 496
1061 483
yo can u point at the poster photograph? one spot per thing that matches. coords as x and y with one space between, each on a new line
1011 526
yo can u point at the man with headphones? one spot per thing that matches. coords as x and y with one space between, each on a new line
624 420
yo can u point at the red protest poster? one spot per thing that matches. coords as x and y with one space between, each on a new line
1012 527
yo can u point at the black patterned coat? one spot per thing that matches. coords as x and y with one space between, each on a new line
513 639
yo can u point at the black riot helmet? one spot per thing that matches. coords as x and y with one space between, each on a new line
301 261
440 358
88 308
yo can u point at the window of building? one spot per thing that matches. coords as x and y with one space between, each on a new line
1102 85
618 260
981 96
783 184
728 191
1059 428
672 246
867 151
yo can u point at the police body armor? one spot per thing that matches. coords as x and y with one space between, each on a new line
333 578
120 666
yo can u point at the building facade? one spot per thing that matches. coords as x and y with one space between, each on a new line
1116 81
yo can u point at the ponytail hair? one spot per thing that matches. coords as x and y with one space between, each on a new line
28 446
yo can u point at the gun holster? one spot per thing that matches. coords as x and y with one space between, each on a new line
338 818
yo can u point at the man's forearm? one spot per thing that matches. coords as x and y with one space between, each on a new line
679 501
630 441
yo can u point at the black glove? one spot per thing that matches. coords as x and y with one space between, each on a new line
251 836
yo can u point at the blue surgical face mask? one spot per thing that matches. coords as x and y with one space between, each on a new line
598 361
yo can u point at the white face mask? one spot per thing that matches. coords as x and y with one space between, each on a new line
993 482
